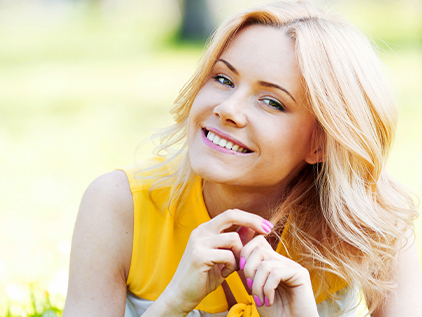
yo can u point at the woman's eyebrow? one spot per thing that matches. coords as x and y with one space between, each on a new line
267 84
230 66
262 83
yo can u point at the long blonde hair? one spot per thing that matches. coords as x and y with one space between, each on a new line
346 215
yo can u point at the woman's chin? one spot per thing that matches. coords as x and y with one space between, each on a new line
215 174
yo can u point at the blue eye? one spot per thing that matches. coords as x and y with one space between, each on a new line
274 103
224 80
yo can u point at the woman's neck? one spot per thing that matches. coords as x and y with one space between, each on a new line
219 198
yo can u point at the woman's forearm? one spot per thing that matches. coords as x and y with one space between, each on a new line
166 305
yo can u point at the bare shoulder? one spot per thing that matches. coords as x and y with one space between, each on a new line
101 248
106 209
111 189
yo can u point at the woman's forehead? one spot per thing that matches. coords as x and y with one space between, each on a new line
264 45
265 53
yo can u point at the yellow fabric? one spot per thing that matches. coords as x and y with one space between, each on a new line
245 304
159 243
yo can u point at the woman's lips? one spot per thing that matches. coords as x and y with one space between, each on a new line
224 141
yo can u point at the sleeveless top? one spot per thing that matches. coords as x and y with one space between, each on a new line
159 241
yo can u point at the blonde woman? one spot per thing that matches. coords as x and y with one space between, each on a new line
277 202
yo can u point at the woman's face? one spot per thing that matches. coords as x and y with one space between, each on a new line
253 99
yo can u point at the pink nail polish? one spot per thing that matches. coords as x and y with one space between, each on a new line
242 263
257 301
268 223
267 302
266 228
249 282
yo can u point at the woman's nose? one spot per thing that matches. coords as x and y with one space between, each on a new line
232 110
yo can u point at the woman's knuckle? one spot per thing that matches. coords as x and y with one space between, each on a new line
261 251
230 214
277 275
249 272
260 247
197 244
264 266
304 272
197 254
267 288
234 237
261 240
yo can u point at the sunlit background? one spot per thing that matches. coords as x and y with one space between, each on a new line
82 82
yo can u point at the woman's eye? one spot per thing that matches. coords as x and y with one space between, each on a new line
224 80
274 103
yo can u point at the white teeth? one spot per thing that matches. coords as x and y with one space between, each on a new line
229 145
210 136
224 143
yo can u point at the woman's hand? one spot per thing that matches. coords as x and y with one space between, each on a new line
210 256
280 286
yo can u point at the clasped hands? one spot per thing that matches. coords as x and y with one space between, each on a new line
279 286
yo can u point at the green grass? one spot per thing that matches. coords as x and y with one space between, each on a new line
80 90
76 98
39 305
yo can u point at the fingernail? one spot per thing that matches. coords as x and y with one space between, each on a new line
249 282
267 302
266 228
242 263
257 301
268 223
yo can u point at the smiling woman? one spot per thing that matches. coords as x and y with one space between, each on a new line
241 102
277 204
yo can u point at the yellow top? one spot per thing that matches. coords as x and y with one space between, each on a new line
159 243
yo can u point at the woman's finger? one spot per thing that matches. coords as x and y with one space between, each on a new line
253 261
229 240
236 217
258 241
225 257
272 282
276 273
260 279
249 248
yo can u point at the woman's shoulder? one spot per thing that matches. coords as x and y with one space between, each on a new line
107 205
112 188
106 211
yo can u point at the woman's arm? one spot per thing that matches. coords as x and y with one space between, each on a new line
101 249
406 299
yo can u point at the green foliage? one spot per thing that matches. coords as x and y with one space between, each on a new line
39 305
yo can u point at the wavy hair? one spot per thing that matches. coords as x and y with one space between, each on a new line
347 216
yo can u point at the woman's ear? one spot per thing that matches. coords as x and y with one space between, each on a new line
316 156
317 153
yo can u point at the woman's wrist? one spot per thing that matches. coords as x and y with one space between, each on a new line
167 304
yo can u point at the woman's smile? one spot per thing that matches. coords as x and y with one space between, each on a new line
220 141
249 124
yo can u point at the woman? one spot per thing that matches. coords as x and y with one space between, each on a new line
279 206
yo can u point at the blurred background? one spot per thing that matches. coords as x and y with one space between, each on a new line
82 82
